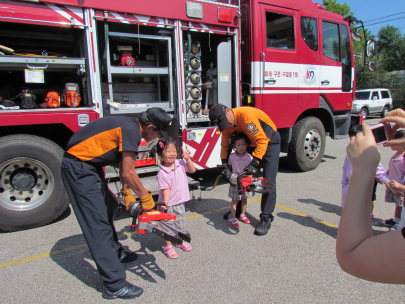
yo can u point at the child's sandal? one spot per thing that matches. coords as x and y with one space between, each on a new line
244 219
170 252
185 246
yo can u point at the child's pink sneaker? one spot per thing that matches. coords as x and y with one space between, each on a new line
234 223
185 246
244 219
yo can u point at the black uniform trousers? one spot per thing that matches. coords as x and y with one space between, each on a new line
270 168
94 207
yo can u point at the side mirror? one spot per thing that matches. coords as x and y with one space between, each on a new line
371 48
372 66
356 36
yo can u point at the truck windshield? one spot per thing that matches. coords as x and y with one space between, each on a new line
362 95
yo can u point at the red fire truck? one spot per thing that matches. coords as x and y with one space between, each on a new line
64 63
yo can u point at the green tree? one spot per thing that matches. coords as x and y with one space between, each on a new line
391 44
338 8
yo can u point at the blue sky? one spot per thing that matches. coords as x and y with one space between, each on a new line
366 10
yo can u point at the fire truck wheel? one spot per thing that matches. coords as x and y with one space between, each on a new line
31 188
307 145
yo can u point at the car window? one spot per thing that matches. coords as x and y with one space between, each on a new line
362 95
385 94
375 94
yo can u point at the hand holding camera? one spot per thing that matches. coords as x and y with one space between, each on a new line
397 117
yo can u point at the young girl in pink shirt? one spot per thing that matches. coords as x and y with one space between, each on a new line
173 186
237 162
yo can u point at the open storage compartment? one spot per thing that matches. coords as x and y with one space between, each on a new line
137 68
208 74
45 58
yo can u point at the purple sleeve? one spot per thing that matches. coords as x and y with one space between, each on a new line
345 180
183 164
162 182
381 174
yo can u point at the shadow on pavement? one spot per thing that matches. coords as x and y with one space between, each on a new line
76 261
313 223
213 210
73 255
64 215
326 207
329 156
309 222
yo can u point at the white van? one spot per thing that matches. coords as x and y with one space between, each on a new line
372 101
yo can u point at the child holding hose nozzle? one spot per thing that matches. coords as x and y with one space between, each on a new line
173 187
265 140
237 162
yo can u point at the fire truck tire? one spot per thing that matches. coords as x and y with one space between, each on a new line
31 188
307 145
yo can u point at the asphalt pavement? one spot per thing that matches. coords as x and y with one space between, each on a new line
294 263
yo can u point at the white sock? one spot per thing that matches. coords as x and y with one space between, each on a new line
397 220
402 221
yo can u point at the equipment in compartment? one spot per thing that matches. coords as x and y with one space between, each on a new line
195 107
71 94
52 99
218 80
126 55
145 159
193 81
8 105
132 93
26 99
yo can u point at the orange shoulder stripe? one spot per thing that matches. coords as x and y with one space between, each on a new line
97 145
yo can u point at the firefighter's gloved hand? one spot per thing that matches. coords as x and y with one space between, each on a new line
128 197
147 201
226 174
253 167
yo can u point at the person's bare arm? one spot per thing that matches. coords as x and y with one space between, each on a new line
186 157
129 178
166 197
359 253
397 187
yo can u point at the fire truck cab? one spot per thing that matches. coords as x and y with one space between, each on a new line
297 66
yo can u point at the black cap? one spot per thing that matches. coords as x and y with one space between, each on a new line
160 119
217 115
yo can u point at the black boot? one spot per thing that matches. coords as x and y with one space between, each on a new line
127 256
129 291
265 224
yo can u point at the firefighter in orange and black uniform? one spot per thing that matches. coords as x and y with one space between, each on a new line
107 141
263 135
